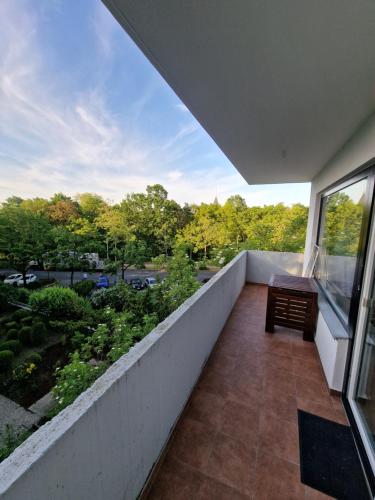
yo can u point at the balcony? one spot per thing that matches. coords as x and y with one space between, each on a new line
238 436
208 391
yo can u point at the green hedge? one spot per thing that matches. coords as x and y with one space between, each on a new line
38 333
6 360
84 287
12 334
25 335
35 358
11 345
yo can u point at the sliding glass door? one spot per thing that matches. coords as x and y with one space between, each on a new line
359 396
364 395
360 392
345 273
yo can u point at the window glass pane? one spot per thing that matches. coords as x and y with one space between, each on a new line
339 238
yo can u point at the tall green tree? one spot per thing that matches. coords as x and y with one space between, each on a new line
24 236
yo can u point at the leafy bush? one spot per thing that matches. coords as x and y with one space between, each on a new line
12 334
59 303
19 314
38 333
6 360
25 370
84 287
69 327
12 345
126 333
96 343
159 262
202 265
34 357
9 293
221 256
11 324
6 293
27 320
73 379
10 440
99 298
25 335
23 295
119 297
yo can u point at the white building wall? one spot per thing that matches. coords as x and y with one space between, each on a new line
261 265
356 152
105 444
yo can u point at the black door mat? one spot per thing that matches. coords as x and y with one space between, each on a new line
329 458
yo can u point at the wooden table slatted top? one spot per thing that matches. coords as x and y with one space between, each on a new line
292 302
295 283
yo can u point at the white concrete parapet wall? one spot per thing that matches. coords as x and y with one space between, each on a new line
105 444
261 265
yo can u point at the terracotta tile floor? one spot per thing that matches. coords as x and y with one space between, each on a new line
238 437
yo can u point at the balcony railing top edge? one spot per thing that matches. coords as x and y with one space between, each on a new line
45 437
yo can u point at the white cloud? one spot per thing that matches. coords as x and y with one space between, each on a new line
181 106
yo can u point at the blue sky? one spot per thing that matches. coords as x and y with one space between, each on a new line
83 110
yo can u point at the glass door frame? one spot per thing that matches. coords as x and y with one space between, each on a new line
357 328
365 447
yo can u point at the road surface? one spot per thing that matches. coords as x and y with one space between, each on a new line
63 277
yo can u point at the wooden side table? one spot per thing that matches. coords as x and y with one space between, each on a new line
292 302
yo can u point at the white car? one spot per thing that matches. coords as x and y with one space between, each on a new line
12 279
150 282
30 278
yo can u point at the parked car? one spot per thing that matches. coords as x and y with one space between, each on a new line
102 282
136 283
12 279
150 282
30 278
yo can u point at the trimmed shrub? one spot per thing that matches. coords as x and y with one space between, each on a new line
23 295
6 360
38 334
12 334
27 320
84 287
25 335
119 297
35 358
11 324
12 345
59 303
19 314
9 293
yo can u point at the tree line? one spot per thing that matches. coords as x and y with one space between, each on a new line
58 232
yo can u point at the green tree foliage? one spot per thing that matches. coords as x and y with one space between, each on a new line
181 281
59 232
91 205
24 236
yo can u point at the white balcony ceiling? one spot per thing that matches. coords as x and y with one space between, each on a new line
280 85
